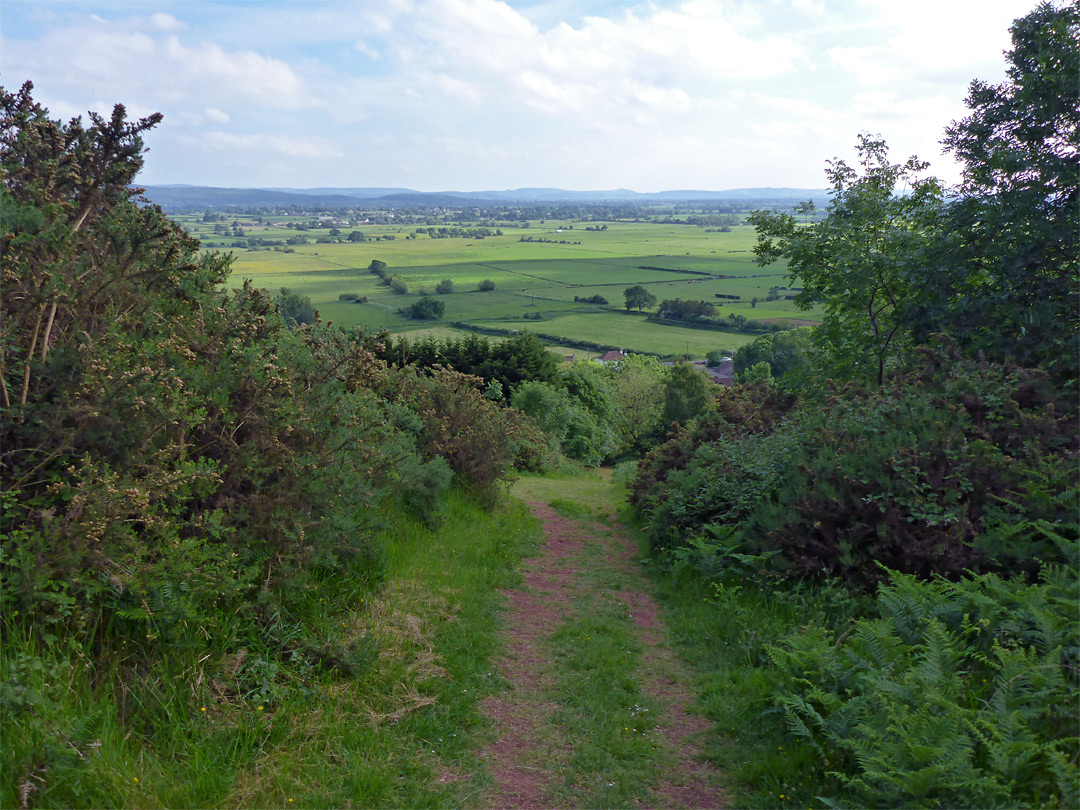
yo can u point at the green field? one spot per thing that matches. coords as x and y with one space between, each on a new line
531 278
633 332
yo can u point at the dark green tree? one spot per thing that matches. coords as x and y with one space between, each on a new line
487 285
637 297
1008 277
426 309
296 309
524 357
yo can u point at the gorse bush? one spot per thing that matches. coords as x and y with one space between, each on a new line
183 467
480 441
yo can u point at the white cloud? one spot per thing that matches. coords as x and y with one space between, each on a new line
216 116
167 22
579 93
268 144
142 61
367 50
663 57
243 75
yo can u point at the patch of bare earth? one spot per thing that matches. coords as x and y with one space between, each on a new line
520 759
691 781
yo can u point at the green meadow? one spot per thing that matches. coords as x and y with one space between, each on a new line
632 331
536 282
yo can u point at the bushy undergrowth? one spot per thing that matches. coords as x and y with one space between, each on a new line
956 465
933 693
481 442
956 694
952 492
342 703
576 428
183 467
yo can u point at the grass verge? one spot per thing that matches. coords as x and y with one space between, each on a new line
392 722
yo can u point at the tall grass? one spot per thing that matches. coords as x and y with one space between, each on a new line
374 703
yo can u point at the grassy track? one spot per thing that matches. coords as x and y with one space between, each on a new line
607 686
723 631
408 729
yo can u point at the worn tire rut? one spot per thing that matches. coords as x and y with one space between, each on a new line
525 757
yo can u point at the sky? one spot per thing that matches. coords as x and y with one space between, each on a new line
471 95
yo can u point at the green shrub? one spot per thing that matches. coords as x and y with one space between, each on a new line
953 466
739 410
578 432
479 440
962 694
426 309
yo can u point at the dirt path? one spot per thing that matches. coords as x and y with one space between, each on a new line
584 568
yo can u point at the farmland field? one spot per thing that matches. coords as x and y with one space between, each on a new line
634 332
535 282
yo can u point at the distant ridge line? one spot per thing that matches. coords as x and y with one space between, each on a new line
188 196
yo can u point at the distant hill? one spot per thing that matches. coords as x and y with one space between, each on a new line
359 193
185 197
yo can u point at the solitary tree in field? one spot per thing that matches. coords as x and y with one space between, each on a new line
426 309
638 296
295 308
486 285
